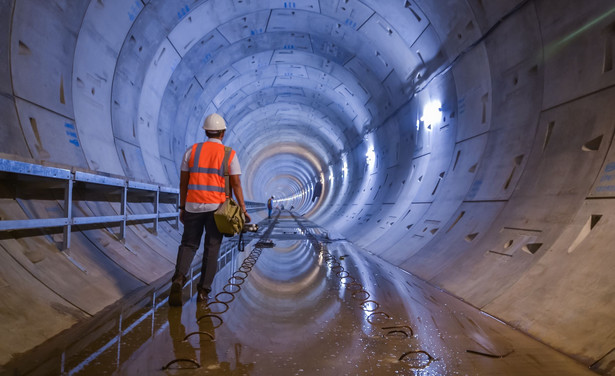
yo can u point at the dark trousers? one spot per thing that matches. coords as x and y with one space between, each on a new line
194 223
269 210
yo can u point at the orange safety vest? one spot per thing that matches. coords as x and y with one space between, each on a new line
206 184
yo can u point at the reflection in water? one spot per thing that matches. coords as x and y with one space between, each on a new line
185 355
312 306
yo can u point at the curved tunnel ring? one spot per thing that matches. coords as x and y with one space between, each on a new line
213 316
366 303
354 286
239 277
181 360
399 329
337 269
222 294
199 332
373 315
347 280
249 263
428 361
343 274
355 295
226 307
230 286
233 280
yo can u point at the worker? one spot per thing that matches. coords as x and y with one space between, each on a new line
269 206
317 190
201 191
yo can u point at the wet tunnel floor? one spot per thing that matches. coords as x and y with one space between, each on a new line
310 305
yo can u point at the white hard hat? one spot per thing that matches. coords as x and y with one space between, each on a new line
214 122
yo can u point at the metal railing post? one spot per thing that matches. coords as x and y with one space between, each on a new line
156 211
123 211
68 212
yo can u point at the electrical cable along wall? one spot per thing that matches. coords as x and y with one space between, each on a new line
469 143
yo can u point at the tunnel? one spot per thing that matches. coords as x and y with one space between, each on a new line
457 147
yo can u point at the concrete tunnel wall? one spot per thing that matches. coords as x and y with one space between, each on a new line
501 194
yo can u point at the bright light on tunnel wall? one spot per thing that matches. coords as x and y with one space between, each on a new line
432 113
370 155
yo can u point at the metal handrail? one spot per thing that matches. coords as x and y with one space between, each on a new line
70 177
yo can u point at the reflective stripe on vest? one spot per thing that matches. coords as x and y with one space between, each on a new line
206 184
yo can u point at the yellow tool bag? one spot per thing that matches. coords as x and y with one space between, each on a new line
229 217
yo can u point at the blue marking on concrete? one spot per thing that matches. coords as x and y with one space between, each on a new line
69 125
475 188
71 134
610 167
135 9
207 58
183 12
74 142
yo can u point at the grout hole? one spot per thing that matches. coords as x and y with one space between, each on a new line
456 221
594 221
593 145
24 49
531 248
548 135
591 223
485 98
408 5
457 159
62 98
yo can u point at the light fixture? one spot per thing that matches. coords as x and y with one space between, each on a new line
432 113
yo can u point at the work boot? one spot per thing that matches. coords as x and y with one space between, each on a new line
175 296
202 295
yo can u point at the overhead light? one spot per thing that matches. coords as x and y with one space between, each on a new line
371 155
432 113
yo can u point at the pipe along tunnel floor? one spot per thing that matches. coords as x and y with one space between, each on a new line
309 305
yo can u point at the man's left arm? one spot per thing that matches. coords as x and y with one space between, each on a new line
236 184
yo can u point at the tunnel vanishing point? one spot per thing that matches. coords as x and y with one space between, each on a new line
467 142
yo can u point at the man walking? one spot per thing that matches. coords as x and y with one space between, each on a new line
201 191
269 206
